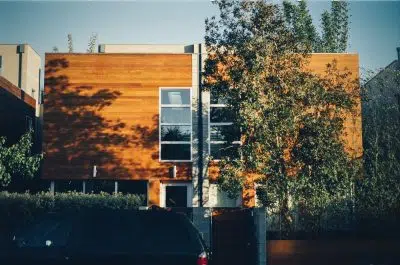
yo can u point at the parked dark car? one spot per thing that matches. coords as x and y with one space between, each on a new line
108 237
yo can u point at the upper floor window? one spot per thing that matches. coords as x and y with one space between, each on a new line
223 134
175 124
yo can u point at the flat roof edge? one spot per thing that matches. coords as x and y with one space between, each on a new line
118 53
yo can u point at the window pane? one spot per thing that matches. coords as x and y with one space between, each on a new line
224 150
220 114
228 133
133 187
175 152
175 96
215 99
68 185
175 133
175 115
97 186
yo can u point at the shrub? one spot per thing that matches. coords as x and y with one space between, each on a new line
20 208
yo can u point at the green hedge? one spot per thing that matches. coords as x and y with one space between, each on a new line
19 208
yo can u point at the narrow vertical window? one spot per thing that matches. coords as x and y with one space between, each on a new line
28 123
1 64
223 134
175 124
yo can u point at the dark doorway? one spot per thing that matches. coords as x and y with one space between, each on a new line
176 196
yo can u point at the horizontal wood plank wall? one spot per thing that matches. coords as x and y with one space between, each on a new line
103 110
352 133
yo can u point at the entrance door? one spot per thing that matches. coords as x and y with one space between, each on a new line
176 195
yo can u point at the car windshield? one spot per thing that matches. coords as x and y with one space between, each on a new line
51 230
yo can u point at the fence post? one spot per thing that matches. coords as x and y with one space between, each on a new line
261 235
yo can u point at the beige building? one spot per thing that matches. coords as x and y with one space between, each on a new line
21 65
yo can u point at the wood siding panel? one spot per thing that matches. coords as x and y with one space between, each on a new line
103 109
352 133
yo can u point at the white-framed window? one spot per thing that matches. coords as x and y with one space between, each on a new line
175 124
224 136
176 194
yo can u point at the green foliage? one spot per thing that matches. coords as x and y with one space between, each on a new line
299 21
70 43
55 49
92 43
291 120
230 182
378 193
334 26
17 160
328 34
25 206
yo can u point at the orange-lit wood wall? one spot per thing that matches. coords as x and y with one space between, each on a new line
352 133
103 110
352 126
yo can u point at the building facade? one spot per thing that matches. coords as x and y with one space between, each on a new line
134 119
21 65
381 123
17 111
21 70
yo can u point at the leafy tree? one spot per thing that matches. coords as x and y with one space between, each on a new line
291 120
70 43
55 49
335 28
17 160
378 192
299 21
92 43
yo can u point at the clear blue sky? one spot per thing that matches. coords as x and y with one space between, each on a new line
374 34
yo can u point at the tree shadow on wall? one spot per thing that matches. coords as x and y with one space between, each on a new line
76 136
